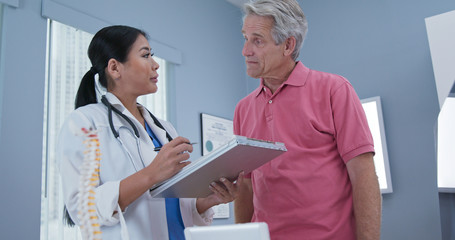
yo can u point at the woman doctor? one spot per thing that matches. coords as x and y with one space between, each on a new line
128 134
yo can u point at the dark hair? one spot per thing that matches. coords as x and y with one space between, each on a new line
110 42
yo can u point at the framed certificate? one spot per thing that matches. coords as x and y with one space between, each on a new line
215 132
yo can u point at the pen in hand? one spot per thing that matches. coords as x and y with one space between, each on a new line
157 149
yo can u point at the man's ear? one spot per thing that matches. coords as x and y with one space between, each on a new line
114 68
289 46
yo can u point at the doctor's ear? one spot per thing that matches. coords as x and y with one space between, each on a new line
113 68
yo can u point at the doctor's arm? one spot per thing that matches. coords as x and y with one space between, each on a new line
366 196
169 161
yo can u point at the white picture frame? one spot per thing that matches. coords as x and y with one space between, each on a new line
373 111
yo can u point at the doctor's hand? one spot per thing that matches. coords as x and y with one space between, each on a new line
170 159
224 191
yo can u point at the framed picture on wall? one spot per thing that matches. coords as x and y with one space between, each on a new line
215 132
373 110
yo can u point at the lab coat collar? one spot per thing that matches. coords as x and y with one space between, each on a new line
114 101
160 133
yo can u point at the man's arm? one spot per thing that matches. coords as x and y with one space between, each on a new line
366 196
243 204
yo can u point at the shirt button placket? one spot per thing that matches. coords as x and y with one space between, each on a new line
269 112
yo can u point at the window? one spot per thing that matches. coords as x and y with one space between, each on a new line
67 63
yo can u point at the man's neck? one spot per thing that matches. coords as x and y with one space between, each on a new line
273 83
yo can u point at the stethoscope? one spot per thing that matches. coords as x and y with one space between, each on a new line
110 109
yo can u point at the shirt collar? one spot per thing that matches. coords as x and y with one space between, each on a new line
297 77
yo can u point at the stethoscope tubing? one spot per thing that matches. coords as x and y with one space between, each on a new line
135 134
130 156
111 108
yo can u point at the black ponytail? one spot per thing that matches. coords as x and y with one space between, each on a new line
66 218
86 93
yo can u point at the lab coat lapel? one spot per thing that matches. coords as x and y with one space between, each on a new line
159 133
162 135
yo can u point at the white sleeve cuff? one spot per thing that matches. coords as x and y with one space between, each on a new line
203 219
106 199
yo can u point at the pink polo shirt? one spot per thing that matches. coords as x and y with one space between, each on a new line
306 193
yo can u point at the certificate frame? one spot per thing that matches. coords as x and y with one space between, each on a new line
215 132
208 137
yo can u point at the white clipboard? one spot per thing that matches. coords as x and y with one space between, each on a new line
239 154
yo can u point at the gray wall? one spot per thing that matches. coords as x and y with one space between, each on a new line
447 207
22 74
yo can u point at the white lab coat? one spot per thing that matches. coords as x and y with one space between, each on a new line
146 217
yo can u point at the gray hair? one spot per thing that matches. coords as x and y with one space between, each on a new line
288 17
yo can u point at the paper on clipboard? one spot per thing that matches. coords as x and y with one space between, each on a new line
239 154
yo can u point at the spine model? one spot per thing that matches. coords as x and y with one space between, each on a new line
89 180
